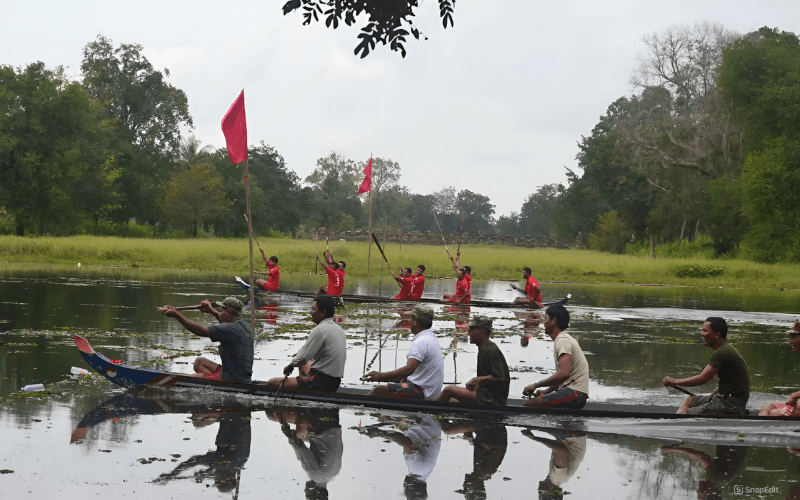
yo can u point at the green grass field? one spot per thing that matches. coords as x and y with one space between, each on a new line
488 261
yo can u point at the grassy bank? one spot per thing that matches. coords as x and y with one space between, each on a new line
487 261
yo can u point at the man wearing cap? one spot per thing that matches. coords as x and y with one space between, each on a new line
733 385
490 387
235 339
568 387
423 375
790 408
321 360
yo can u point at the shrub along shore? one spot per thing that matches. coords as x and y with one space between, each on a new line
296 257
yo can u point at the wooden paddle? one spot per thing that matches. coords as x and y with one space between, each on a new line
520 290
460 232
279 389
685 391
375 238
325 219
442 235
316 237
254 236
185 308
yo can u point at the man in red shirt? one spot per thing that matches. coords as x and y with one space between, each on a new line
418 286
274 274
405 280
463 293
335 272
534 295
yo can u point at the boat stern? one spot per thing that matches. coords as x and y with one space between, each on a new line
83 345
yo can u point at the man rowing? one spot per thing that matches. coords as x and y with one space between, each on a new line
463 293
733 387
235 339
321 360
335 272
418 288
490 386
405 280
568 387
273 272
423 375
533 293
789 408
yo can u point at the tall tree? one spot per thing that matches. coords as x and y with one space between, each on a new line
477 211
536 215
194 196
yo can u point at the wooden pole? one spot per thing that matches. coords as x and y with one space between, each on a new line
369 248
250 234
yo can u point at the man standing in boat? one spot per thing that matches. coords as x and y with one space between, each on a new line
405 280
534 294
733 387
423 375
490 386
568 387
321 360
335 272
274 274
235 339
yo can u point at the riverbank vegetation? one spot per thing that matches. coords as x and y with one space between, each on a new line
296 258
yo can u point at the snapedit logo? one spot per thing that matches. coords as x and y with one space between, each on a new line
738 489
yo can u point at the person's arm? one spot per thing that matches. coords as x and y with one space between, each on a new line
329 257
393 375
793 397
456 262
707 374
321 262
264 256
307 352
190 325
396 277
472 385
554 380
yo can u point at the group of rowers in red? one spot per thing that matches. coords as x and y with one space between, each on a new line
412 284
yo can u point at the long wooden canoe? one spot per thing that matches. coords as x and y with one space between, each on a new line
133 377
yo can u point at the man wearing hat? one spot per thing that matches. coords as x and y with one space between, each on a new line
790 408
235 339
490 387
423 375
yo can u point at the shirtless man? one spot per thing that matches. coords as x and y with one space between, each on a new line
789 408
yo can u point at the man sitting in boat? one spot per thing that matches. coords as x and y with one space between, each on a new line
274 274
534 295
335 272
418 288
568 387
423 375
463 293
789 408
321 360
405 280
490 386
235 339
733 387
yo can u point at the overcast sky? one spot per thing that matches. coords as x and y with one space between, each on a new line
495 105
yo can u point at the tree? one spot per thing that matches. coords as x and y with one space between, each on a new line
610 234
390 21
445 200
335 184
194 196
536 215
420 212
478 213
190 153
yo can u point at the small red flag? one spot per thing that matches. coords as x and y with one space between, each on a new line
234 126
366 184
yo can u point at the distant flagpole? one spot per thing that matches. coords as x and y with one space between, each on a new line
366 187
234 127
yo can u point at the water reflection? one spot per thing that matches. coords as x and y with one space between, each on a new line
322 457
719 470
489 444
568 450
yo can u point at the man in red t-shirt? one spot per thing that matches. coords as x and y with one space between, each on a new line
274 274
335 272
534 295
418 286
463 293
405 280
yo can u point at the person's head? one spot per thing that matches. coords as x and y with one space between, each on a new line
274 260
714 329
526 272
334 265
480 329
342 265
525 340
421 318
407 272
316 491
322 307
468 270
230 309
556 316
420 269
415 488
460 273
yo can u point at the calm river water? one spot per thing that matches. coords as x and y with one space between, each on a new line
82 439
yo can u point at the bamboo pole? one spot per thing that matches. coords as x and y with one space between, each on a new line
250 234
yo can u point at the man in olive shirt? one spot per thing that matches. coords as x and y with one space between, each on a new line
490 387
733 388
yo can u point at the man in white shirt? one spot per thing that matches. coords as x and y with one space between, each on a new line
423 375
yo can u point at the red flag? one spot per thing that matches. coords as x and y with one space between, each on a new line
234 126
366 185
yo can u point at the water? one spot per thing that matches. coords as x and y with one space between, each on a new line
83 436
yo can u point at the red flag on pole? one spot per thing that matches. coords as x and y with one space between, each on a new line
234 126
366 185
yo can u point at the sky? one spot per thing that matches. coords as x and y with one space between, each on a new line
496 105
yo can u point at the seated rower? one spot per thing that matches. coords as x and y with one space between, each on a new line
569 386
490 387
418 287
423 375
534 295
405 280
335 272
325 349
235 339
733 387
790 407
463 293
274 274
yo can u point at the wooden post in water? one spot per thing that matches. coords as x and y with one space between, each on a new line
250 234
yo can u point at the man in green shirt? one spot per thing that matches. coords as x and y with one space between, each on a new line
490 387
733 388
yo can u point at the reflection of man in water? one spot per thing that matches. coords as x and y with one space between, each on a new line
322 458
530 326
721 469
421 444
489 441
568 451
224 463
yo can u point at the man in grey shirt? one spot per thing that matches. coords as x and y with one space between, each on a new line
325 349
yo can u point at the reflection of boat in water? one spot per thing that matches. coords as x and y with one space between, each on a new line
130 376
